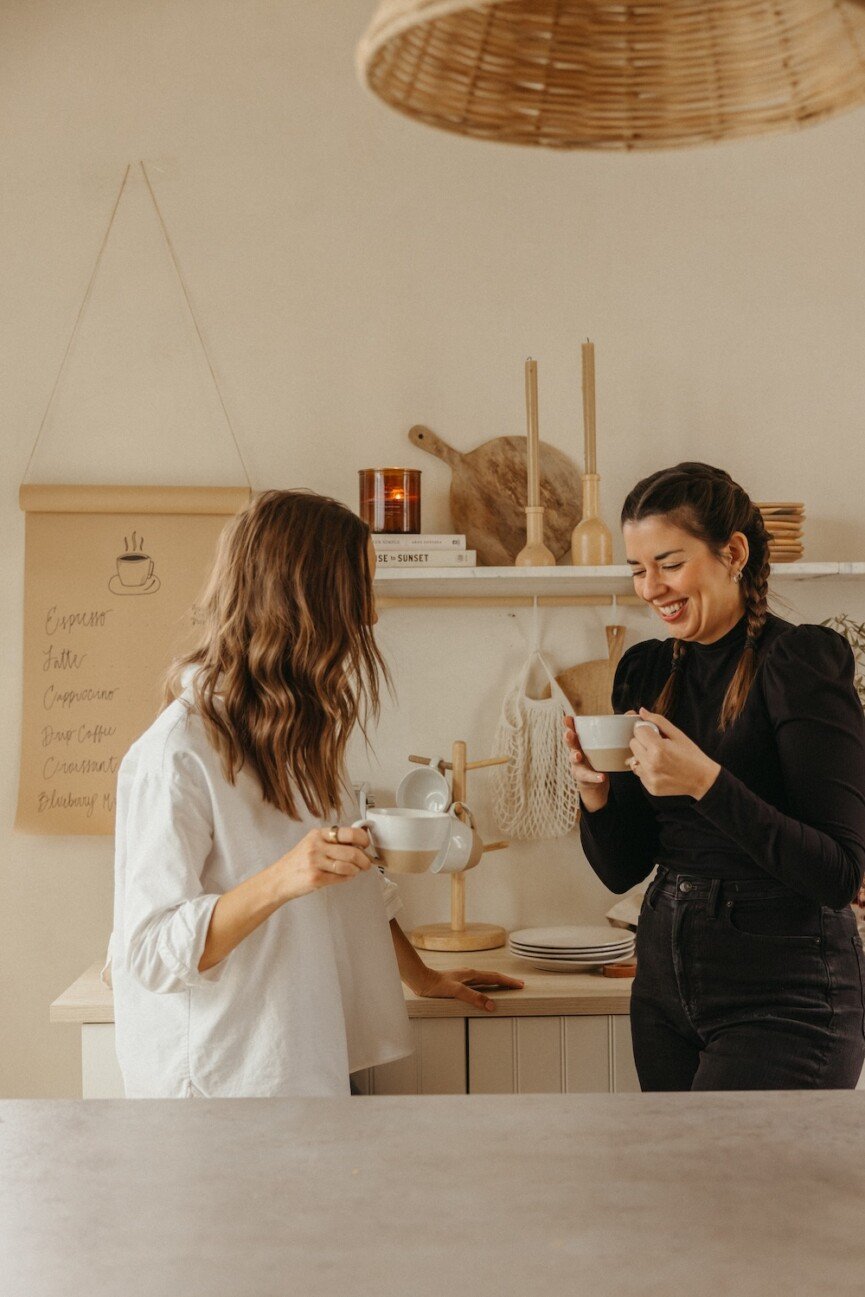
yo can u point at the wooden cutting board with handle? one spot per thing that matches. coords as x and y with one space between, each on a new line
488 495
588 685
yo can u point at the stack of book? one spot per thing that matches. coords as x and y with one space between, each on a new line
422 550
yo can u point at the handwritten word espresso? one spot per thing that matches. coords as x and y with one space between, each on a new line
56 622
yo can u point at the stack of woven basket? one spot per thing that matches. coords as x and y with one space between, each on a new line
784 524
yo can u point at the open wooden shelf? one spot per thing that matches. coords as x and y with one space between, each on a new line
497 583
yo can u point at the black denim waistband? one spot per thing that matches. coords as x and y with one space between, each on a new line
697 887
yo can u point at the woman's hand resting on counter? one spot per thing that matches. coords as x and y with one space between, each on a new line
452 984
667 764
458 984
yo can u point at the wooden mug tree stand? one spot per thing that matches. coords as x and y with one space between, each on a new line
459 935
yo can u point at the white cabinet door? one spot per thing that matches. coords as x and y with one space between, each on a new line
100 1071
540 1055
437 1065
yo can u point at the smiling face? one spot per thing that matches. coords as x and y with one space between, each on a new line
689 586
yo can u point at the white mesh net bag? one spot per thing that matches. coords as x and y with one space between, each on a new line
535 794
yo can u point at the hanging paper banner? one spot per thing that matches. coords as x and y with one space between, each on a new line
111 579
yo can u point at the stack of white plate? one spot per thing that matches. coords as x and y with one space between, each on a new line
572 950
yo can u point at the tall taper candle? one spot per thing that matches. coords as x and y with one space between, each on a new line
589 405
533 458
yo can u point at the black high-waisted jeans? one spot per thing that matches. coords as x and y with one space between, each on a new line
745 986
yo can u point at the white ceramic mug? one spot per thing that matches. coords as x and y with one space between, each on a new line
463 848
424 788
406 840
606 740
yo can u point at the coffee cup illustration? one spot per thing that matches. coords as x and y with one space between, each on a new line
134 569
134 573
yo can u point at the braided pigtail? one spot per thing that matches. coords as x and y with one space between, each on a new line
664 702
755 582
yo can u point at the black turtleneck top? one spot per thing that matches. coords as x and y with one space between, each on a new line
789 801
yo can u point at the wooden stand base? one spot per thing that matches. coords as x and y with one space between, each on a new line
474 936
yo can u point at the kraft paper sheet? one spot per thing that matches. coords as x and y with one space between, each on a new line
112 575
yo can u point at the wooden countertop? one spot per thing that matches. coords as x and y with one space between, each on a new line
544 994
471 1196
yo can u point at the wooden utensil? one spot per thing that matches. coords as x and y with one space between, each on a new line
535 552
588 686
591 542
488 494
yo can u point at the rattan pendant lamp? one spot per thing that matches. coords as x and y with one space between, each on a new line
574 74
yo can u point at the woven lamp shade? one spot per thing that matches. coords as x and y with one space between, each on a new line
574 74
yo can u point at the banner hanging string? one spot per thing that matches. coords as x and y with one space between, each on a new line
86 300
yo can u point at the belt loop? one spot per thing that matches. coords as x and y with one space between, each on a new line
714 898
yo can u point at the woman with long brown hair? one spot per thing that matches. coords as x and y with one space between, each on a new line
750 800
251 953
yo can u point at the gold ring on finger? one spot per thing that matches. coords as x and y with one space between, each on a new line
332 834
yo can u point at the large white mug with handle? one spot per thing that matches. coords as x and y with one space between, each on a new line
406 840
606 740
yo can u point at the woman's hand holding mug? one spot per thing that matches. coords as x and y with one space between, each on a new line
667 762
321 858
593 785
600 744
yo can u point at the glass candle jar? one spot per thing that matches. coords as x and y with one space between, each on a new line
390 499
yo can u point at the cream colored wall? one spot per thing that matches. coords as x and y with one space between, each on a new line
355 273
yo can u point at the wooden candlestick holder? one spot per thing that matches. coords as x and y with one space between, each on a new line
459 935
591 542
535 552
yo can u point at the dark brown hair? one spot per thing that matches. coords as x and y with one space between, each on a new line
287 662
707 504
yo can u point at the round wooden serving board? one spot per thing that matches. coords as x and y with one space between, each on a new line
488 495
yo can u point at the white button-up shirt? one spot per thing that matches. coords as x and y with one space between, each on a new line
311 995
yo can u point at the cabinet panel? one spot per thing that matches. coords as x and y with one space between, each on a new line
437 1065
539 1055
100 1071
587 1055
492 1056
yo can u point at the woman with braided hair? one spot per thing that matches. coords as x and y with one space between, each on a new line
750 800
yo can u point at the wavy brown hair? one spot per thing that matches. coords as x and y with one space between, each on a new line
706 503
287 663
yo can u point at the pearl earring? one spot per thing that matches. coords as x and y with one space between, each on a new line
737 577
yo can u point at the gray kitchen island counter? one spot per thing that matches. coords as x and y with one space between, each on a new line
538 1195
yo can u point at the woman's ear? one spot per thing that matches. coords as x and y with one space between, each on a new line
738 550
